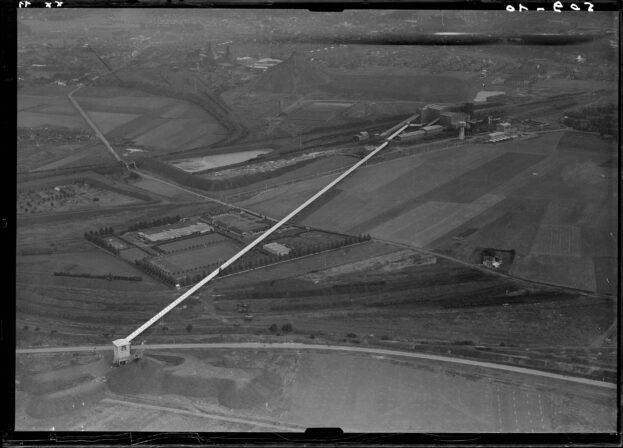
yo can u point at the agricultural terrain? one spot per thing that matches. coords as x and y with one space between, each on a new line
534 196
465 282
219 390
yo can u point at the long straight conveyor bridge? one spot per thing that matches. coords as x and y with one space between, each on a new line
122 346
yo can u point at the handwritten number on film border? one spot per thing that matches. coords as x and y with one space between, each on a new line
557 7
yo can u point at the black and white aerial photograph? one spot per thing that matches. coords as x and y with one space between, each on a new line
266 220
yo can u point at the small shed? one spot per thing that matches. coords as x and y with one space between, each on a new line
121 351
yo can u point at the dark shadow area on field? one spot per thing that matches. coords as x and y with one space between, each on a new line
167 375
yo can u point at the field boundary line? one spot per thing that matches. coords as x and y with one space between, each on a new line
86 118
584 292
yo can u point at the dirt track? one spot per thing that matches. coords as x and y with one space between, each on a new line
298 346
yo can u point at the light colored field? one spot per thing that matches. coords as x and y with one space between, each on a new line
380 395
107 121
215 161
428 222
557 240
358 393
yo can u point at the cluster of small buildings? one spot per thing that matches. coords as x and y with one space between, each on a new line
501 134
435 119
176 232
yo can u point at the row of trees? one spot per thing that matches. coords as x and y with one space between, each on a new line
109 277
98 239
244 265
155 272
600 119
154 222
102 231
285 328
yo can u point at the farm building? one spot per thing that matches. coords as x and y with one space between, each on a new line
277 249
492 262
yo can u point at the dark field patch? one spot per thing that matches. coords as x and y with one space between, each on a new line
188 243
606 274
581 141
416 88
473 184
599 242
317 204
511 224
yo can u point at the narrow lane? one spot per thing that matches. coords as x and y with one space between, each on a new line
300 346
98 133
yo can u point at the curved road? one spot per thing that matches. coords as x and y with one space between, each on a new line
300 346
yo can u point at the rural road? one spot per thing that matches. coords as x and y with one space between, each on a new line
300 346
90 123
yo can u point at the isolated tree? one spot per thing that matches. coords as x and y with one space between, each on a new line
273 328
189 328
286 328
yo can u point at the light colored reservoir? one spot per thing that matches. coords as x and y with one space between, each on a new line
207 162
484 94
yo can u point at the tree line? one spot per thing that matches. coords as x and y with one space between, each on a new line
98 239
109 277
154 223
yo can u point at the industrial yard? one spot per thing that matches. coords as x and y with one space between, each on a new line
219 232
